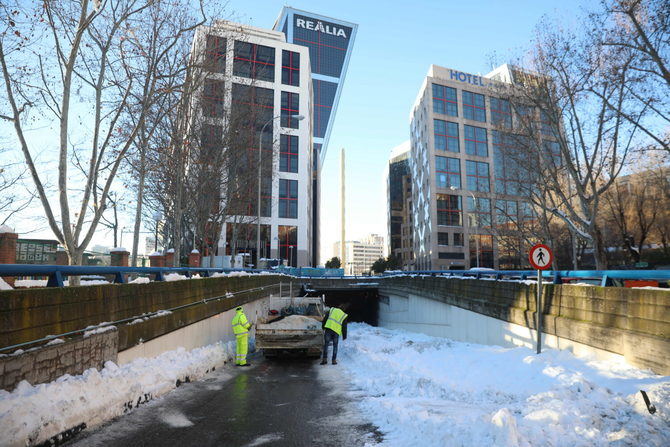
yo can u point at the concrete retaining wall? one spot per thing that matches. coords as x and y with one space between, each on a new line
634 323
202 333
47 363
31 314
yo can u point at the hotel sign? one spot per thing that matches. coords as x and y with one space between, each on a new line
467 77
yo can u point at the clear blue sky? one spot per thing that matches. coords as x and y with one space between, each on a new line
395 45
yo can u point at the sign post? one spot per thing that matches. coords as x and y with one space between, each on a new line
540 257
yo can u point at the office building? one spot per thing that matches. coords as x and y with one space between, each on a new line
360 255
399 206
463 185
330 42
256 77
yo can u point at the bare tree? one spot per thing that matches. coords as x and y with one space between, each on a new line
635 34
80 84
13 197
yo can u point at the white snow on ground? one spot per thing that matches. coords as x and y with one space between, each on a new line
33 414
422 390
4 285
29 283
140 280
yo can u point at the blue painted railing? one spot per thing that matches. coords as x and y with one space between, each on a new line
57 273
605 277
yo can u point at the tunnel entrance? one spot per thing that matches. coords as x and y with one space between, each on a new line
363 302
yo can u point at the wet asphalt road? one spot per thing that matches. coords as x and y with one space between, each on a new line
272 403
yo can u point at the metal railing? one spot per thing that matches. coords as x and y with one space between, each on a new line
605 277
57 273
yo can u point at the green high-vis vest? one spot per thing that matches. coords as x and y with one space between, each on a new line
240 324
335 319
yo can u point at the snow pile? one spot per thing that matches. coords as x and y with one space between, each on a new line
423 390
140 280
174 277
295 322
28 283
33 414
4 285
118 249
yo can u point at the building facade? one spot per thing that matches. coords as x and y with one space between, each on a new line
360 255
256 77
330 42
462 185
399 206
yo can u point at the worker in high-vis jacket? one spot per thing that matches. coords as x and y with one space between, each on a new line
241 328
334 324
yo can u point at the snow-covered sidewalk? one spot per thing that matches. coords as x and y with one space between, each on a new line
32 414
422 390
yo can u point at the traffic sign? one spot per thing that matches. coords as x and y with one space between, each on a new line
540 257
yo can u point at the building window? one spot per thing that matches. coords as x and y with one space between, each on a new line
442 238
327 52
254 61
290 68
448 172
509 176
553 151
444 100
288 153
479 212
477 174
289 108
215 54
449 211
501 112
446 136
242 236
524 116
212 101
253 105
485 244
474 106
547 127
288 198
288 244
506 213
476 142
458 239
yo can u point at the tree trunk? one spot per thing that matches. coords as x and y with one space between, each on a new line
74 258
138 208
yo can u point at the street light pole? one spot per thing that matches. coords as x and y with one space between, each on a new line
260 154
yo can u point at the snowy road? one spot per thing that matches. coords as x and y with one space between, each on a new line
297 403
421 390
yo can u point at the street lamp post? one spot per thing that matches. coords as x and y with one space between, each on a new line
474 203
260 153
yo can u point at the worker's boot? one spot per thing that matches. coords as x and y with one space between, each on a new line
324 361
334 362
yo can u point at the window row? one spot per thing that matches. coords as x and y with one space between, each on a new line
445 102
447 138
252 60
507 212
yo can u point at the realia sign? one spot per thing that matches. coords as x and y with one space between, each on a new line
467 77
322 27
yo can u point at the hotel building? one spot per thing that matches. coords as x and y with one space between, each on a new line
463 185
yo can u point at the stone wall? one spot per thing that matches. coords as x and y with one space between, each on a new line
30 314
47 363
631 322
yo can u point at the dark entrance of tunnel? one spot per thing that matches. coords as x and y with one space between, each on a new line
363 303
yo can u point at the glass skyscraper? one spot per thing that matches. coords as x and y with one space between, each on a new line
330 42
